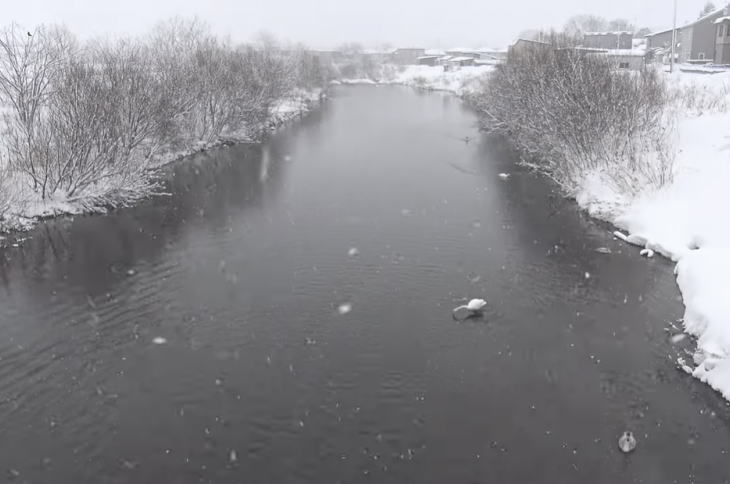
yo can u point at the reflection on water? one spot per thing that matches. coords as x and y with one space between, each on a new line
283 314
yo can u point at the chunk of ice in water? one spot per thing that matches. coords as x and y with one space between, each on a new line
627 442
504 176
603 250
678 337
587 275
405 212
159 340
233 456
344 308
353 252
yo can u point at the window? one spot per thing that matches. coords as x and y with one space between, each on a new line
720 30
702 56
623 65
727 31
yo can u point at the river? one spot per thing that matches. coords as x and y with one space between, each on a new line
283 315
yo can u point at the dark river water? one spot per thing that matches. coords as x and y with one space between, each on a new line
247 270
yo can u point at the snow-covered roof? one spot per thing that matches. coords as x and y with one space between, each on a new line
461 59
434 52
721 19
491 49
532 41
627 52
661 32
618 32
427 57
463 49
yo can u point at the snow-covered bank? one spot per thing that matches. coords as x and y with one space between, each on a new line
433 78
686 219
21 207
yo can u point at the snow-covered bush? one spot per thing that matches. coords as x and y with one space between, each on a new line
701 97
82 124
572 116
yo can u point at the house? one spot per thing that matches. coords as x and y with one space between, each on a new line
492 54
607 40
722 40
461 61
697 39
428 60
627 60
526 47
463 52
661 40
697 42
407 56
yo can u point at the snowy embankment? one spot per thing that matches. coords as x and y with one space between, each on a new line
687 219
459 81
22 208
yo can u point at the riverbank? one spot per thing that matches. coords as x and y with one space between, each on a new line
686 220
24 208
460 81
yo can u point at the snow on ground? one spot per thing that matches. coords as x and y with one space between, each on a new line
458 81
433 78
687 220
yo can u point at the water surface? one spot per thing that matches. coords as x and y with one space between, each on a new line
243 270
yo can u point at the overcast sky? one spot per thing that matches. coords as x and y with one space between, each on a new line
327 23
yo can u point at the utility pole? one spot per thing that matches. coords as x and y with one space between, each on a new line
674 38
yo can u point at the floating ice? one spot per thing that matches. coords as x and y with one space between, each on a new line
405 212
159 340
503 176
344 308
353 252
678 337
627 442
131 272
587 275
647 252
474 306
603 250
232 456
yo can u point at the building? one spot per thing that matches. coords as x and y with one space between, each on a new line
428 60
627 60
661 40
697 39
697 42
407 56
462 61
463 52
492 54
525 47
608 40
722 40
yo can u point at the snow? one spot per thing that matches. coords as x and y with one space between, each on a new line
460 81
686 220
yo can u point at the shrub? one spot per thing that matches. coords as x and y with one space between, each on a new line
571 114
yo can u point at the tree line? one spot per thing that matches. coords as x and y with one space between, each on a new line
80 118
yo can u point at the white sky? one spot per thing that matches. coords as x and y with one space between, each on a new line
327 23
